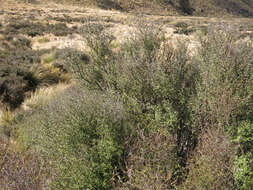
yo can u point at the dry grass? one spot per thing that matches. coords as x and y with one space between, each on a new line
6 117
41 97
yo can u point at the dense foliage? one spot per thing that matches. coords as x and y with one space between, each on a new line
145 115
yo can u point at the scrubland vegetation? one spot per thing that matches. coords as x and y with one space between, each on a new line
141 114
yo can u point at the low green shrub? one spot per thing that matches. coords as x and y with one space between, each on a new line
43 40
155 82
17 26
242 138
181 25
185 31
243 172
183 28
225 91
84 139
28 1
225 94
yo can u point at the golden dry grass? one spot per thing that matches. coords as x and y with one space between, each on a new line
42 96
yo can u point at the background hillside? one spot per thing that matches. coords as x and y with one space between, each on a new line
219 7
175 7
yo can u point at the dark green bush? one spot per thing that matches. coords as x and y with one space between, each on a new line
28 1
186 7
14 84
181 25
185 31
17 26
59 29
21 70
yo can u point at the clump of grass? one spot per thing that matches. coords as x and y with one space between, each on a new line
7 118
42 96
49 58
43 40
54 67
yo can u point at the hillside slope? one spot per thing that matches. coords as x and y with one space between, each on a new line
220 7
175 7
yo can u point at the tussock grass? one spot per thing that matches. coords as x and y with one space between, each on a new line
6 117
43 40
42 96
